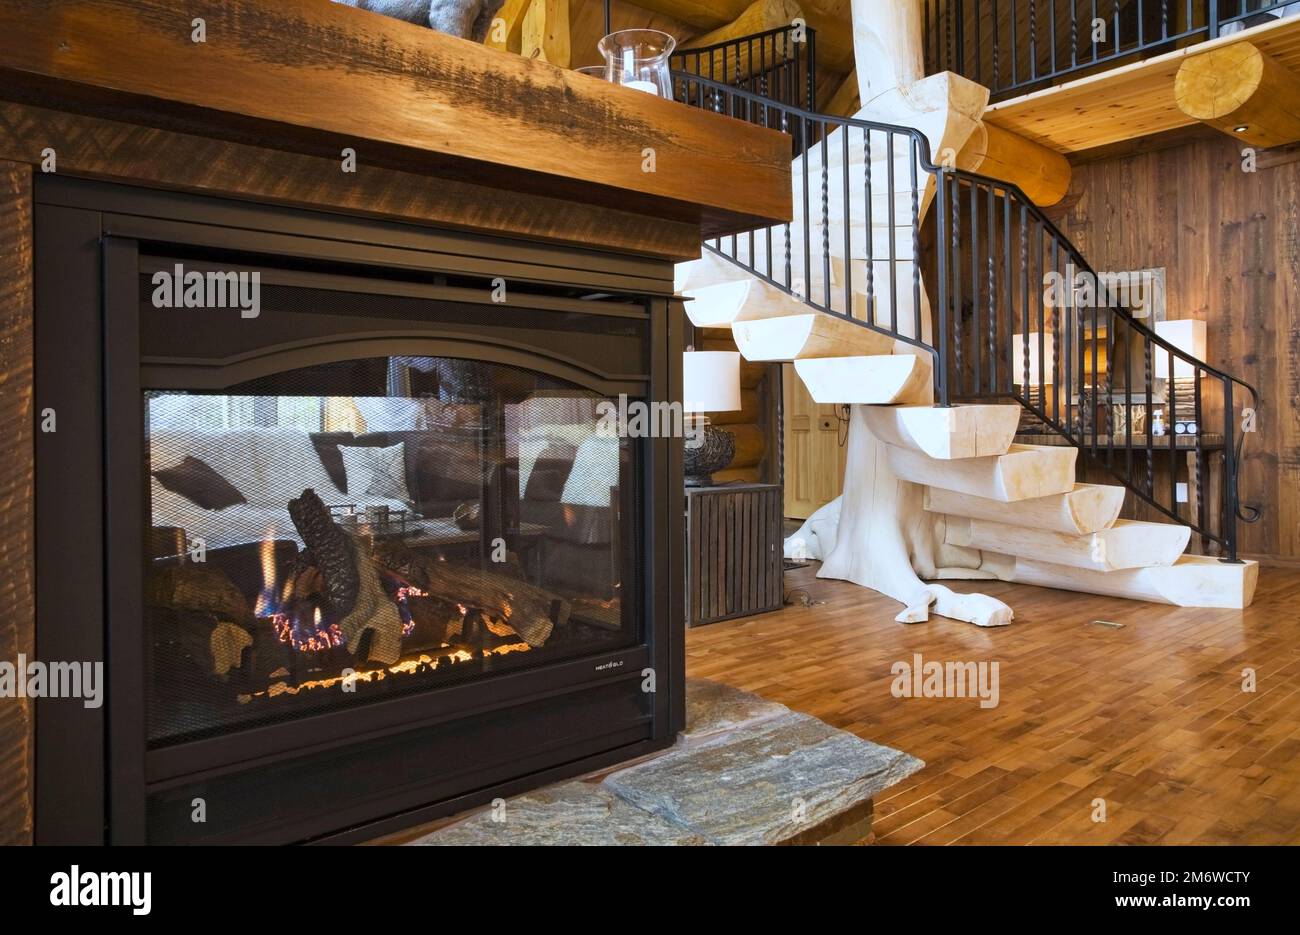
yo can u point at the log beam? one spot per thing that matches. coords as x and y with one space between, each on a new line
1243 92
974 431
1127 544
722 304
1024 472
402 97
878 380
815 335
760 16
1084 509
1041 173
1194 581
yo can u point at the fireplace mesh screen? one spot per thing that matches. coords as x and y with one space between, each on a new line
371 528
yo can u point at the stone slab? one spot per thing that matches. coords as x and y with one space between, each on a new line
765 783
569 814
712 708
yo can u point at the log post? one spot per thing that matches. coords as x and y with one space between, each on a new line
506 30
545 33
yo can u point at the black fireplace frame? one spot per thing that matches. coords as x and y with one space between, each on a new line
92 769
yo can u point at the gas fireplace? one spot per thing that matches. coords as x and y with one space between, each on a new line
448 520
374 555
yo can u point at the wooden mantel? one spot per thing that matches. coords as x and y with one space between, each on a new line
311 77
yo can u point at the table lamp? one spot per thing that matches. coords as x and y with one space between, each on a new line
710 383
1189 336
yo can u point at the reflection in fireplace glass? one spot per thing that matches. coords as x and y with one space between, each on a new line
359 530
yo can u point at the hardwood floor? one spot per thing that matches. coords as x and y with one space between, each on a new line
1150 717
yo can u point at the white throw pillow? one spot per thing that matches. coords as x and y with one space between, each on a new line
289 465
595 470
376 472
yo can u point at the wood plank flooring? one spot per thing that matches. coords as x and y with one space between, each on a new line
1150 717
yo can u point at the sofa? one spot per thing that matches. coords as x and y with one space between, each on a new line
556 480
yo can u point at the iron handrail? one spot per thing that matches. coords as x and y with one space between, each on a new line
980 366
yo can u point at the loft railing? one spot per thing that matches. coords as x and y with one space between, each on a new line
850 249
1016 46
1092 373
780 64
1021 315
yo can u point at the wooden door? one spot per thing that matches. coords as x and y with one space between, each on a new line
814 458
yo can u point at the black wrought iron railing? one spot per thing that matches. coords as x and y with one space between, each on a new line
859 192
1013 317
1021 315
1016 46
780 64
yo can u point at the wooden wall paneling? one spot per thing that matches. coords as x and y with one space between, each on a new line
17 532
1286 389
1229 241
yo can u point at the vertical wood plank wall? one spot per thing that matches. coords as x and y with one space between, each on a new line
1229 241
17 609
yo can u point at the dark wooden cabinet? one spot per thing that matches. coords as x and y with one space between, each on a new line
734 551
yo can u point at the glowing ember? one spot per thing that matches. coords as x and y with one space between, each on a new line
403 592
314 639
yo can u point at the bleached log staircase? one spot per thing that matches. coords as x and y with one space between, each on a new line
937 492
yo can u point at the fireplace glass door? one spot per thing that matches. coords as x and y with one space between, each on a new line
358 530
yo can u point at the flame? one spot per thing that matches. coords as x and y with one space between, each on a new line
266 597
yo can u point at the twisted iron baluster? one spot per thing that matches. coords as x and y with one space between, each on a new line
1033 39
1074 32
1024 293
789 270
871 264
993 306
826 222
1151 411
997 46
1056 355
956 298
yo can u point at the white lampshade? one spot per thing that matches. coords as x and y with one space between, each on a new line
1018 359
711 381
1188 335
